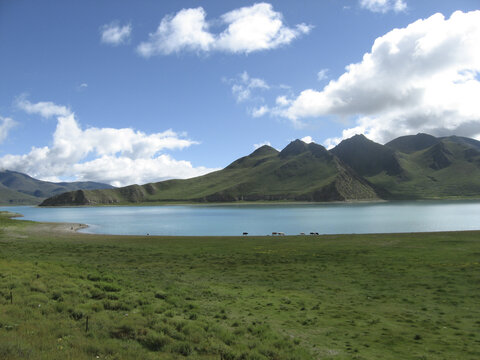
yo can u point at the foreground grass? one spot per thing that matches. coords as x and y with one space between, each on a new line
395 296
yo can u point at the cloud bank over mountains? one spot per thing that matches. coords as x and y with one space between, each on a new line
115 156
421 78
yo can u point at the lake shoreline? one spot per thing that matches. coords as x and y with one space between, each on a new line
250 203
60 228
56 227
259 203
263 219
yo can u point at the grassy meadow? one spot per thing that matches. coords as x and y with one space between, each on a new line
394 296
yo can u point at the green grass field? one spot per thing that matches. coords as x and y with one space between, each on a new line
394 296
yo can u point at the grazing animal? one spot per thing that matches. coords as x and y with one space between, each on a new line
245 234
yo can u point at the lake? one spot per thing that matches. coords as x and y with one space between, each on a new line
292 219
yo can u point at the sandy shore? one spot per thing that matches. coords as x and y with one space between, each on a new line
60 227
50 226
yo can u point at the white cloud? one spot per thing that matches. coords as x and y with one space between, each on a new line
260 111
282 101
307 139
256 146
6 124
384 6
244 84
255 28
322 75
187 30
121 171
115 156
115 34
45 109
248 29
422 78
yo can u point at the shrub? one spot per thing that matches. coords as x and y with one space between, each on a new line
97 294
107 287
115 305
160 295
38 286
57 295
93 277
60 307
124 331
154 341
76 314
183 348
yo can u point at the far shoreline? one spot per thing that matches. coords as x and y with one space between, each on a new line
262 203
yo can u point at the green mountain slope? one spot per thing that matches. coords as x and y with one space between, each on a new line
449 168
412 143
300 172
416 166
21 189
366 157
411 167
12 197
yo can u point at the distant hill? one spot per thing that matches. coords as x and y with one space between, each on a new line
20 189
366 157
410 167
429 167
13 197
300 172
412 143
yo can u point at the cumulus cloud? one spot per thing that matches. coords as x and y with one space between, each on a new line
282 100
248 29
6 124
114 34
116 156
45 109
384 6
421 78
255 28
260 111
187 30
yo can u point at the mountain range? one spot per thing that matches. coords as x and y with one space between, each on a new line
20 189
410 167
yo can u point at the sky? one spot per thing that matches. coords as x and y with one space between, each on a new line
124 92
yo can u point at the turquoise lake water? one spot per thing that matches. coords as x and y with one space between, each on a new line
387 217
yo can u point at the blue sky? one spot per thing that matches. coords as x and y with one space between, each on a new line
133 92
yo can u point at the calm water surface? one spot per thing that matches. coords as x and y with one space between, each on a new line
264 219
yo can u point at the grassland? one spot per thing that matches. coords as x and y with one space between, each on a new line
395 296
